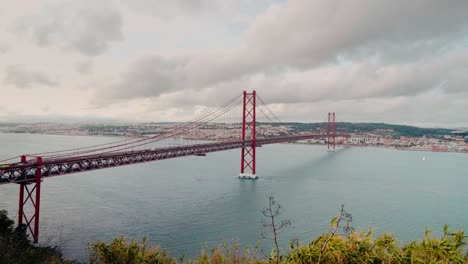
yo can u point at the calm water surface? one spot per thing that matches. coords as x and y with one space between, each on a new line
186 203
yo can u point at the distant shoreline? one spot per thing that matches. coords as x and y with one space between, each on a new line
298 143
385 147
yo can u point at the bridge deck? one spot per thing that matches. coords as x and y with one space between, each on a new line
26 172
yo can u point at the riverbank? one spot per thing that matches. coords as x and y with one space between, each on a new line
387 147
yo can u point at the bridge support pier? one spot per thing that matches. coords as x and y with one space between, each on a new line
331 132
30 193
248 155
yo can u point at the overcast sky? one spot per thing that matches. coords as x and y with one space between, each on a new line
393 61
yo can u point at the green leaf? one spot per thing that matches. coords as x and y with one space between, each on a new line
334 221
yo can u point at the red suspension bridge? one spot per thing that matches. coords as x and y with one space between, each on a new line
31 169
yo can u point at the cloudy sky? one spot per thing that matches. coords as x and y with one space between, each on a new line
140 60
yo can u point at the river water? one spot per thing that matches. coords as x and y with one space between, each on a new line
186 203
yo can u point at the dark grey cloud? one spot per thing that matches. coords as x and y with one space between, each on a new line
304 33
148 77
459 82
153 77
85 26
428 110
353 81
84 67
23 78
294 49
232 10
174 8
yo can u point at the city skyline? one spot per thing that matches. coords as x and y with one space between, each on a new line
392 62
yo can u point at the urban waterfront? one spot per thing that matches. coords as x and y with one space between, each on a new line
186 203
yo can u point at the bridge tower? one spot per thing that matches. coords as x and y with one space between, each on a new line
248 158
331 131
30 194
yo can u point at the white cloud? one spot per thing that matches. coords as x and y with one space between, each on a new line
23 78
85 26
370 60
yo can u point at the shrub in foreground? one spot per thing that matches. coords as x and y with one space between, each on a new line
15 246
121 251
356 247
361 247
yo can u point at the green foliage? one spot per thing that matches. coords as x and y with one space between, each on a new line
361 247
15 246
356 247
120 251
231 254
446 249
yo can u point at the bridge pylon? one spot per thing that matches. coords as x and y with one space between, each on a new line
30 194
331 131
249 137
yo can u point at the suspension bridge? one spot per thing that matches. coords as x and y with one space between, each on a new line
238 116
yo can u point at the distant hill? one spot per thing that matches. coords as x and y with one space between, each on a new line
394 131
379 128
461 133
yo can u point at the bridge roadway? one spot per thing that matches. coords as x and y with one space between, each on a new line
26 172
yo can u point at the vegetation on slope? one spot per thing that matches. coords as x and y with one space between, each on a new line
356 247
15 246
381 128
350 246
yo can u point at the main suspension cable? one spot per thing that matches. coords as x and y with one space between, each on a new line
178 129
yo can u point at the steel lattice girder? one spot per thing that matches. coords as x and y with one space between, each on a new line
21 172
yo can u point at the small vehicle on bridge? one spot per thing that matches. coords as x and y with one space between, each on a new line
4 166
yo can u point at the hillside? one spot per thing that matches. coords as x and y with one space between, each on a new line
379 128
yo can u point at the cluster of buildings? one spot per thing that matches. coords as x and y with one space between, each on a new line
448 143
232 131
223 131
43 128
